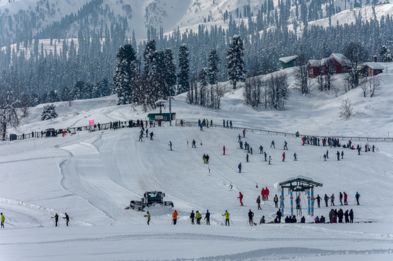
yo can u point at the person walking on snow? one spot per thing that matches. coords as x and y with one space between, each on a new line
332 200
318 198
285 145
272 145
326 198
267 193
341 198
345 198
295 156
240 167
351 216
342 154
207 217
260 149
56 217
223 150
192 217
270 160
66 218
247 158
357 196
227 217
275 199
151 135
251 217
338 156
148 217
244 133
283 156
259 202
174 217
265 155
241 198
198 217
170 146
2 217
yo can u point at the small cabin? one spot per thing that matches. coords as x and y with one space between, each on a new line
288 61
371 68
335 63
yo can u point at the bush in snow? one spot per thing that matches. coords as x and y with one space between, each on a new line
49 112
346 109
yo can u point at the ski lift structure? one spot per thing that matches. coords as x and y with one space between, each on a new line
298 185
161 116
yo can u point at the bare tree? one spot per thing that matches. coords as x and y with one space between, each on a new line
374 84
346 109
8 118
302 79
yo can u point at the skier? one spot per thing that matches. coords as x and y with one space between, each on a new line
332 200
351 216
207 217
174 217
247 158
357 196
259 202
56 217
295 156
198 217
66 218
275 199
170 146
227 216
223 150
251 217
272 145
241 198
283 156
192 217
2 217
148 217
318 198
326 198
285 145
338 156
341 198
240 167
260 149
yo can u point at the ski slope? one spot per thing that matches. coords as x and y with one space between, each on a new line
93 176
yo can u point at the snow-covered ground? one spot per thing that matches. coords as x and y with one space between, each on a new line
93 176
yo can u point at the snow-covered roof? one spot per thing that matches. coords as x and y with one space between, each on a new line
340 58
374 65
314 63
288 59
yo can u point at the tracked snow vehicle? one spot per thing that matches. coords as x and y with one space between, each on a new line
150 199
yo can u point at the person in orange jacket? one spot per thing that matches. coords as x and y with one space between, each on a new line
174 217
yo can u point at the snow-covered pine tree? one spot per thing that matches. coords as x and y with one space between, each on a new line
148 56
202 87
126 71
170 71
235 59
184 69
212 69
49 112
8 115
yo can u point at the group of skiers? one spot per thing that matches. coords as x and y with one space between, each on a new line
316 141
227 124
204 123
339 216
145 133
66 218
343 197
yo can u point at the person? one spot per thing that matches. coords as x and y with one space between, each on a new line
260 149
303 220
318 198
227 216
357 196
250 217
359 149
272 145
326 198
295 156
207 217
324 157
151 135
341 198
262 221
247 158
345 198
240 167
223 150
351 216
265 156
148 217
278 216
170 146
316 220
285 145
192 217
342 154
327 154
267 193
373 148
241 198
270 160
244 133
340 215
193 144
332 200
283 156
298 206
66 218
2 217
259 202
174 217
275 199
346 216
198 217
338 156
56 217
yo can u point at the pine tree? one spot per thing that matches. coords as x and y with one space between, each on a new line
213 70
235 58
126 71
49 112
184 69
170 71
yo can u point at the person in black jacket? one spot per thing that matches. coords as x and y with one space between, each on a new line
207 217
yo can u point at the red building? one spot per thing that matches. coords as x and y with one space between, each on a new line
335 63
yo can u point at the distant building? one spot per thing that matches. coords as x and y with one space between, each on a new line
288 61
335 63
371 68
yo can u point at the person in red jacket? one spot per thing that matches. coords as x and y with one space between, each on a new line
241 198
263 194
267 193
283 156
345 198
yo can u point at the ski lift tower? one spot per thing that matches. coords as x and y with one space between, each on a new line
297 185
